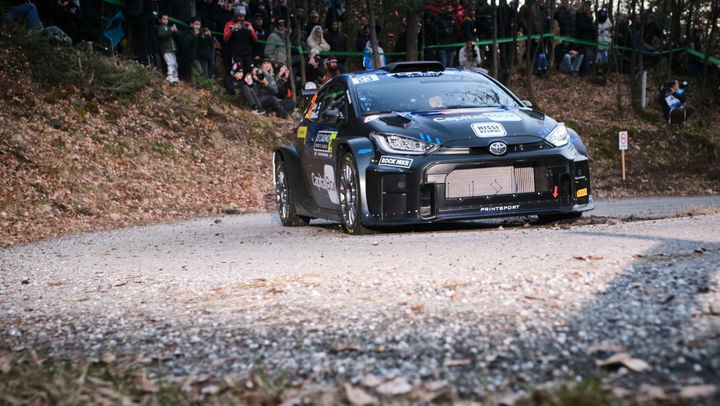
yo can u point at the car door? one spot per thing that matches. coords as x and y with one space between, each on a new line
326 118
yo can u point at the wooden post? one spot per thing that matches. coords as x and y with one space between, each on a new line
622 153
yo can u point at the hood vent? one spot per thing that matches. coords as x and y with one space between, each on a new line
534 113
396 121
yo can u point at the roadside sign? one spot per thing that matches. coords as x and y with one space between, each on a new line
623 140
623 146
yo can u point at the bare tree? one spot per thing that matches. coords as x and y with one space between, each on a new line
712 25
494 39
413 9
373 34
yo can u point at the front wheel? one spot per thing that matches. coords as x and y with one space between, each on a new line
285 199
349 192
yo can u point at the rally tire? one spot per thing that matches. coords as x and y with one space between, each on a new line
349 194
284 197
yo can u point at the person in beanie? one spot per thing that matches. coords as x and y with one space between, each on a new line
241 80
275 48
167 47
240 37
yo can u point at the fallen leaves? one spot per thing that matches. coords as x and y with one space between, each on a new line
357 396
694 391
624 359
75 165
397 386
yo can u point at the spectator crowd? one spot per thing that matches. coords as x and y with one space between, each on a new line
253 45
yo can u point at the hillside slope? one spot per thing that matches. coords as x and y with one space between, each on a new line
73 159
72 163
662 159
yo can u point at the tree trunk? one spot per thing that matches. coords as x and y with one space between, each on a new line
412 35
288 54
529 58
688 22
495 43
298 36
633 57
712 25
614 55
641 60
373 34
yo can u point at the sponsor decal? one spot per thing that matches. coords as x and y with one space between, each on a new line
503 116
460 118
581 192
491 129
326 181
302 131
501 208
364 79
323 143
395 161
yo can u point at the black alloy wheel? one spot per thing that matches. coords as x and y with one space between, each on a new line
349 191
284 198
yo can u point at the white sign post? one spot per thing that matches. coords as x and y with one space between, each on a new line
623 146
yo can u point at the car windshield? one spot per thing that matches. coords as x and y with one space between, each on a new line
424 93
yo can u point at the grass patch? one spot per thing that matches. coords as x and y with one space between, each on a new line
162 148
43 382
117 147
95 74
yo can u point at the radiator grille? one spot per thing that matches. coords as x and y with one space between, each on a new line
501 180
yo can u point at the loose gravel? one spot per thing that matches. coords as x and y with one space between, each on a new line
481 309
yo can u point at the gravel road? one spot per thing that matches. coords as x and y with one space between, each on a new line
475 309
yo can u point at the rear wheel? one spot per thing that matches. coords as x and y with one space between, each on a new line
564 217
284 198
349 191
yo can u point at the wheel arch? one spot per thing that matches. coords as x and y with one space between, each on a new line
363 152
293 169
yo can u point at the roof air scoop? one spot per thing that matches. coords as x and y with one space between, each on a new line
414 66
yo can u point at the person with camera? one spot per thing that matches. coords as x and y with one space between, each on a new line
672 100
314 67
242 80
267 90
240 37
469 56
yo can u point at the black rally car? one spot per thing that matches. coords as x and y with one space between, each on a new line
414 142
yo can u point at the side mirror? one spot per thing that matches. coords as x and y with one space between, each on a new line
309 89
527 103
331 115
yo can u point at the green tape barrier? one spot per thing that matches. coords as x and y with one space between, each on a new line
700 55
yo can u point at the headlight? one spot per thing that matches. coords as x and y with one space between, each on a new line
558 136
400 144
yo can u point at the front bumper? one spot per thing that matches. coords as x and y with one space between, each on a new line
437 188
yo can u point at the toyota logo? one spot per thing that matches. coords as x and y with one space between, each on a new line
498 148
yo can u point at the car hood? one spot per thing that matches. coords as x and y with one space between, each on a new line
477 127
